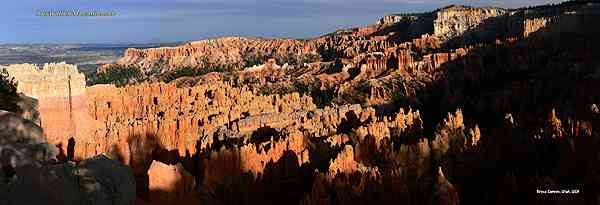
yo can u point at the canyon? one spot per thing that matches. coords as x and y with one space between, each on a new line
460 105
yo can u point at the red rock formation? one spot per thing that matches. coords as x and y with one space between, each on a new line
450 134
344 163
147 111
251 158
425 41
403 122
405 59
533 25
215 52
170 184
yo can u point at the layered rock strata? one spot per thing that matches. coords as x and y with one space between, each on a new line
213 52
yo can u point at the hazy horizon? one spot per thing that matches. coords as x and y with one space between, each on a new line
171 21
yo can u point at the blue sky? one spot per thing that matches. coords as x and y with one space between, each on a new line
152 21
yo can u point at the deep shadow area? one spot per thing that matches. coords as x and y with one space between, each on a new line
262 135
552 69
71 149
282 182
408 28
350 122
141 148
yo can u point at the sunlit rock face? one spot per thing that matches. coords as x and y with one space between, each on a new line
453 21
51 80
170 184
60 92
227 51
533 25
183 119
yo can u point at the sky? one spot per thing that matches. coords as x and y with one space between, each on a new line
163 21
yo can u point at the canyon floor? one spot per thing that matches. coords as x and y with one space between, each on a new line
460 105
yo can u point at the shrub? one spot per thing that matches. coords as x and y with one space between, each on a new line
303 88
311 58
118 75
274 89
252 59
321 98
397 87
400 100
189 72
290 59
8 92
293 59
363 86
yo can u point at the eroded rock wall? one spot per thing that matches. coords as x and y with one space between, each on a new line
60 91
453 21
226 51
179 117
